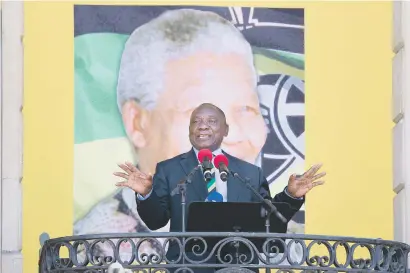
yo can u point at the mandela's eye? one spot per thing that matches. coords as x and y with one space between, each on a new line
246 109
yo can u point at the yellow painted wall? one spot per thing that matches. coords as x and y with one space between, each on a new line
348 77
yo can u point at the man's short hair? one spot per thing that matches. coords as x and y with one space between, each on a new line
172 35
207 104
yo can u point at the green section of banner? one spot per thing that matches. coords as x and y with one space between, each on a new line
97 58
266 65
294 60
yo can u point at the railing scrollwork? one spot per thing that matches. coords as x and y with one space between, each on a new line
222 252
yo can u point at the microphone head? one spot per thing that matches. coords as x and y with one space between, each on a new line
221 158
204 153
214 197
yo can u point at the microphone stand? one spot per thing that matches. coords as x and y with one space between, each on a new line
264 212
271 208
181 189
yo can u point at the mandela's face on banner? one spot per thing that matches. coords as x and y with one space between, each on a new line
225 80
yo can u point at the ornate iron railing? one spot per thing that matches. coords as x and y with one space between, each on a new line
221 252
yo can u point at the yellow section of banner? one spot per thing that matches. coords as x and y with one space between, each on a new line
348 83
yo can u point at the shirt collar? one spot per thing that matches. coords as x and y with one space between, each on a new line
215 153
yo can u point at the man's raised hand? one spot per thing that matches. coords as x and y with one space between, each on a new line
134 179
299 185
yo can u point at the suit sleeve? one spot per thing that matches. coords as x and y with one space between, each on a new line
155 210
282 197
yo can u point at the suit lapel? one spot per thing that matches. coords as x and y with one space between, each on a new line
234 186
188 163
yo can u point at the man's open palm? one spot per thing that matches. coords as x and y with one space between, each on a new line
298 186
134 179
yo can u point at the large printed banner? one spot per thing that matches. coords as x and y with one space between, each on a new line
139 72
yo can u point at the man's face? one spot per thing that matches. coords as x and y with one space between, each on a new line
207 128
225 80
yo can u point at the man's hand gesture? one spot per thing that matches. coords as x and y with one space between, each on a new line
134 179
299 185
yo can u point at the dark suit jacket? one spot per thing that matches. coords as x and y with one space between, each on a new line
160 207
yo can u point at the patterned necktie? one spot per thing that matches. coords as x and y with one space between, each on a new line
211 185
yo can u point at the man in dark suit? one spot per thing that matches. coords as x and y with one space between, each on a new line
207 129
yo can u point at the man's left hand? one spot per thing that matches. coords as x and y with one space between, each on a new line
299 185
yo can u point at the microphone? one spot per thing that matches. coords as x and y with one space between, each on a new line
214 197
205 157
221 162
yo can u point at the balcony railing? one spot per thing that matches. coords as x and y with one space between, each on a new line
223 252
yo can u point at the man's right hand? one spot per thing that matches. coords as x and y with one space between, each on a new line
134 179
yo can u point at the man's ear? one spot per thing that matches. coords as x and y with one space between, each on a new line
227 130
135 120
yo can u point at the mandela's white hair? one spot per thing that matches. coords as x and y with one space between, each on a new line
172 35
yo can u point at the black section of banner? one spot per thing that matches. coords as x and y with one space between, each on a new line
257 29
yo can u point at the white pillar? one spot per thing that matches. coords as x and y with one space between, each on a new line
11 136
401 118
